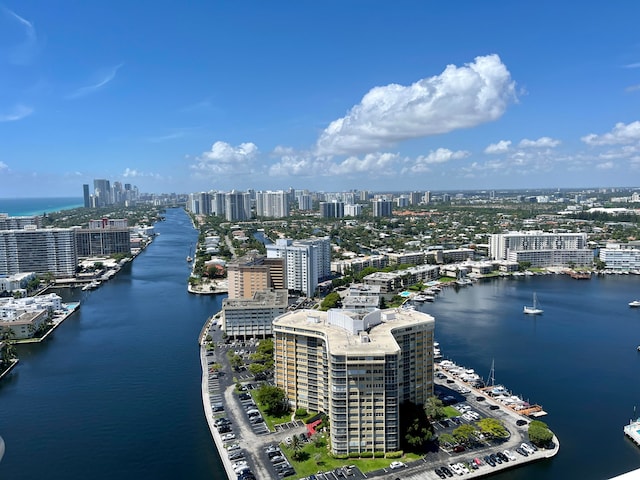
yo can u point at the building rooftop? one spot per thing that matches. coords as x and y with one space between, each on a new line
351 333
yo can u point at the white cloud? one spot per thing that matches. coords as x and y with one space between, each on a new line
224 158
133 173
460 97
620 135
89 89
22 53
605 165
441 155
374 164
632 65
3 166
18 113
542 142
501 147
632 88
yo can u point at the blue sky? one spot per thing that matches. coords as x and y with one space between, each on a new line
332 95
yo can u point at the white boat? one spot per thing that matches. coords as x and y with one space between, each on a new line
533 310
635 303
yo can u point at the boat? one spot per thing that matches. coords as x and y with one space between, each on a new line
189 259
533 310
635 303
632 430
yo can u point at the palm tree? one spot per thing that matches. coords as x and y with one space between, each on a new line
296 446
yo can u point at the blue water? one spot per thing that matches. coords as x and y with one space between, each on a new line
578 360
115 392
37 206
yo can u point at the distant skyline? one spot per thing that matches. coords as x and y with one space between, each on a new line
329 96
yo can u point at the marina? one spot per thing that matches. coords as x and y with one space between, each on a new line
632 431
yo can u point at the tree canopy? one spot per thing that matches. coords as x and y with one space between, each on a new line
539 433
273 399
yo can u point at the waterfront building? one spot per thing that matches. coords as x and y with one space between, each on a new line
272 204
23 325
382 208
15 282
541 249
253 317
101 242
50 250
18 223
253 273
357 368
389 282
621 258
306 262
109 223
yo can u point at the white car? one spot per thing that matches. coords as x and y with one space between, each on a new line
509 454
228 436
527 448
241 463
395 465
456 469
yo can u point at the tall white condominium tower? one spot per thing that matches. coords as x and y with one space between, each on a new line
541 249
237 206
358 368
272 204
38 250
306 262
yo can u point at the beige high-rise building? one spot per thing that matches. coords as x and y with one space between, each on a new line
358 368
253 273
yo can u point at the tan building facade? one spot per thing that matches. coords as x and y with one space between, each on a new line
358 368
253 273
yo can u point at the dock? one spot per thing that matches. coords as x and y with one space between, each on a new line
632 430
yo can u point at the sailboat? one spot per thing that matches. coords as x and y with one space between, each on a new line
534 310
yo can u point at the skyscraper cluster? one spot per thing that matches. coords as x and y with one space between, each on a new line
104 194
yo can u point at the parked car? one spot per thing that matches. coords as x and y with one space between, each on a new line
396 464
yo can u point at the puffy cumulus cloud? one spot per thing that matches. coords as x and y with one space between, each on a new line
460 97
375 164
501 147
224 158
423 163
620 134
542 142
297 164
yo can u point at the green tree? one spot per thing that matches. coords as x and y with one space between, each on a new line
415 428
330 301
273 399
434 408
446 438
464 433
257 368
492 427
539 433
296 446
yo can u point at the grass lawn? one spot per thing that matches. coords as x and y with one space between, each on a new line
318 459
451 412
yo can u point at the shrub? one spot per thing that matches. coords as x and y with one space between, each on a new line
301 412
366 455
378 454
397 454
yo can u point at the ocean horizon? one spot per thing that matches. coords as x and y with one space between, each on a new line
19 207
